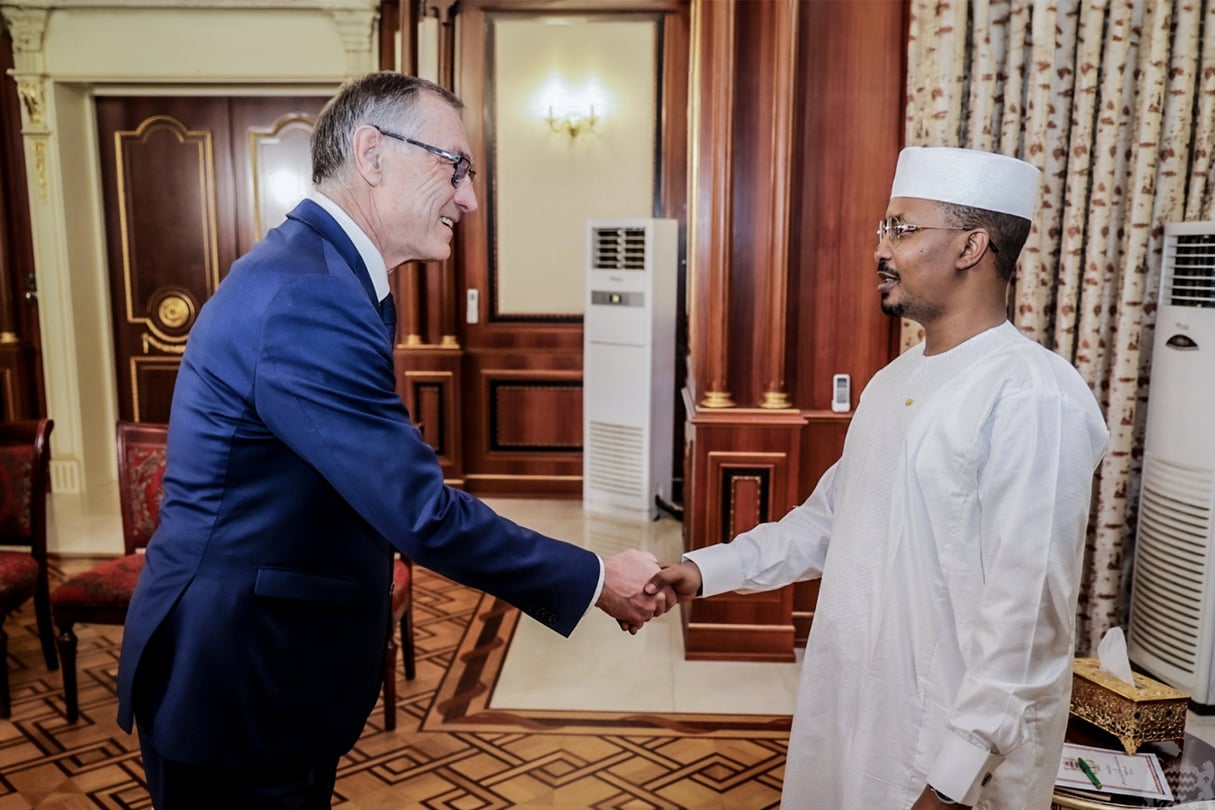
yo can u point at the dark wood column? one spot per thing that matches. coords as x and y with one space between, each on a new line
780 34
446 305
710 220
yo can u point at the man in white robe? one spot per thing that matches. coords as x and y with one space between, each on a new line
950 533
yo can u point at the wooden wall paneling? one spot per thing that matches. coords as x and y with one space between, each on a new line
710 218
746 487
851 113
673 204
529 441
428 380
843 127
443 311
394 40
850 102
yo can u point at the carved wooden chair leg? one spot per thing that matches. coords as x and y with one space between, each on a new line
407 643
6 708
67 654
390 685
46 630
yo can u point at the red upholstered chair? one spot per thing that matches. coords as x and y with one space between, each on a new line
402 615
101 594
25 457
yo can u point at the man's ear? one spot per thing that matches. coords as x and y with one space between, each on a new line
367 148
974 248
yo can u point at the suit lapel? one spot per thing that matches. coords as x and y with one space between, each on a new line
320 221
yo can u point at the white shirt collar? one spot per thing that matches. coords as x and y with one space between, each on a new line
362 243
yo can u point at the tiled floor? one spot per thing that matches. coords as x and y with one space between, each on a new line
645 672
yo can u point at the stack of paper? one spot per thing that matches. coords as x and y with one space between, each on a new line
1111 773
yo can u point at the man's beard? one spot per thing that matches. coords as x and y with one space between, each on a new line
891 308
904 307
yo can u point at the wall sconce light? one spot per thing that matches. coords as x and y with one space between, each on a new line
574 107
572 121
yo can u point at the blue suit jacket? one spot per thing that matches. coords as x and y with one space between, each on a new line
257 630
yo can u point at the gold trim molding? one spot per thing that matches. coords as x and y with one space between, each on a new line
776 400
40 162
30 94
177 302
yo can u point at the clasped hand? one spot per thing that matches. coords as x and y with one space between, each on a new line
636 588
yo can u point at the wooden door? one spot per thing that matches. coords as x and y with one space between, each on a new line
189 183
21 387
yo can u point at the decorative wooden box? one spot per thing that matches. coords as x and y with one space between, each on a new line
1147 712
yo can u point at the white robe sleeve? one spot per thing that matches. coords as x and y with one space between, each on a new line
774 554
1034 490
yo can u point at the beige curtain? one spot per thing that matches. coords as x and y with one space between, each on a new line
1115 101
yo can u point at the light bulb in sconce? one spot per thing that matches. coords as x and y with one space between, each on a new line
572 121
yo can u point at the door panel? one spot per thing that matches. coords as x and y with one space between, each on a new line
189 184
272 160
167 182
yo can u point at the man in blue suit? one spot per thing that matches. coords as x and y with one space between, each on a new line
253 648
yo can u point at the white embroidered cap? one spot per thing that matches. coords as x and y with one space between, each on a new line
969 177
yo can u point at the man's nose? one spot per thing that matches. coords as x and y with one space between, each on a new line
466 196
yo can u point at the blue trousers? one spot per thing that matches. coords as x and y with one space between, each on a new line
188 786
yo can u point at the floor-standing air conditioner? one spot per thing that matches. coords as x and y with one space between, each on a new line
629 365
1172 622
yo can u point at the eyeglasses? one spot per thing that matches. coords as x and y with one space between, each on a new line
461 165
893 229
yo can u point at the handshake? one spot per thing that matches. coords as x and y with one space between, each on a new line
637 588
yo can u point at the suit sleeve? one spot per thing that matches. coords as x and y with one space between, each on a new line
325 385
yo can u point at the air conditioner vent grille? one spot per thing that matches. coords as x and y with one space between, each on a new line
618 249
1189 262
613 455
1171 561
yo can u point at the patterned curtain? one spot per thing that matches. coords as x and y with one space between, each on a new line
1115 101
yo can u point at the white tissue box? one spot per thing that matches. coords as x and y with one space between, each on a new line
1149 711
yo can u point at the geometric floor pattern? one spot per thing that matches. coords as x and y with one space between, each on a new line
449 751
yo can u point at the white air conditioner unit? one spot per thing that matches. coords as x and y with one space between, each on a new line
628 395
1172 621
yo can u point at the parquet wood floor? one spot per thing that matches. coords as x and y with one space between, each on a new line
450 750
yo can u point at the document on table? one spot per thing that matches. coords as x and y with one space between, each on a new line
1136 775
